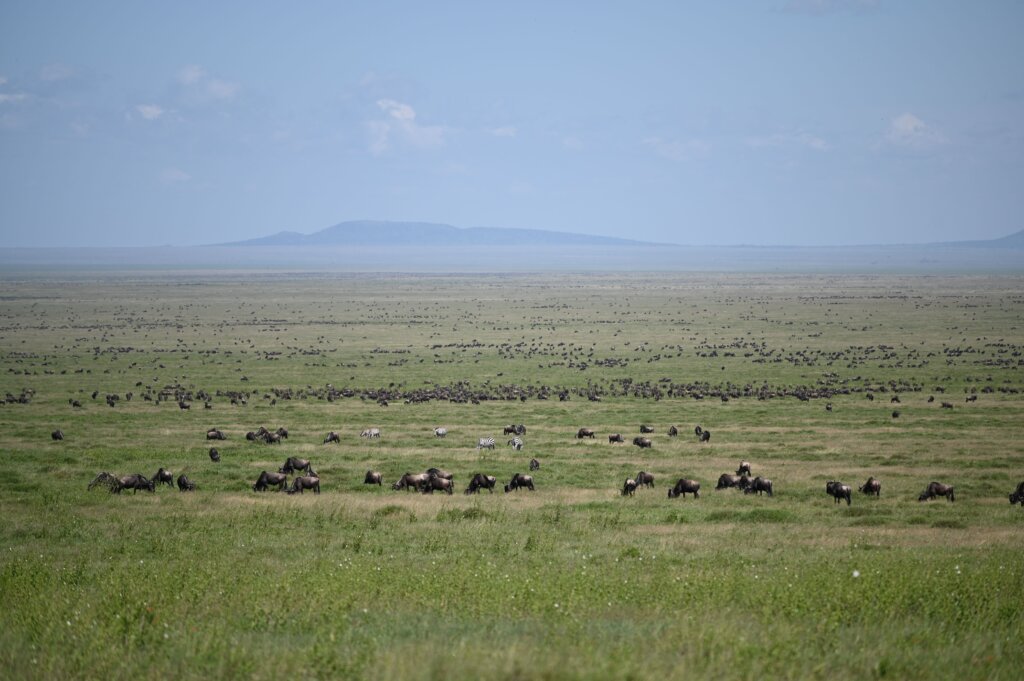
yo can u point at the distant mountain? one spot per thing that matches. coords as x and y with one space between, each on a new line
1013 241
381 233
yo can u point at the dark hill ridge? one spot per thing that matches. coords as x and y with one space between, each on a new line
381 233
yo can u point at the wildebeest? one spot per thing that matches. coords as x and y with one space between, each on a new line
838 491
267 479
726 480
182 405
684 487
439 473
895 399
629 487
744 468
272 438
828 407
332 437
185 485
1017 496
646 429
519 480
370 432
481 481
937 489
534 465
409 481
294 464
164 476
759 485
615 437
435 482
134 482
516 443
643 442
373 478
697 430
440 432
872 486
947 405
106 479
705 435
57 435
282 433
214 455
251 436
305 482
644 479
584 432
508 430
673 431
971 398
485 443
215 434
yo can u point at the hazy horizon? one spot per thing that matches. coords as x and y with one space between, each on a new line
771 123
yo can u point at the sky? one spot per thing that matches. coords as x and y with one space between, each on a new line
797 122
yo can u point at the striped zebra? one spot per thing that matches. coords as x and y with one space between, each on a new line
485 443
440 432
516 443
370 432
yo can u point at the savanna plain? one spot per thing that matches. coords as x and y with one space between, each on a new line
571 580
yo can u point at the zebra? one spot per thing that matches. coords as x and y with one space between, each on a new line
485 443
516 443
440 432
370 432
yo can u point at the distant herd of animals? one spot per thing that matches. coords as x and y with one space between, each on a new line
436 479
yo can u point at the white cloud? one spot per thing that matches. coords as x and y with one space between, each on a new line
678 150
174 176
907 130
15 97
150 112
221 89
802 139
191 74
54 72
504 131
195 77
400 123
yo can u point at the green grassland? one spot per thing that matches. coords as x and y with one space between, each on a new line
570 581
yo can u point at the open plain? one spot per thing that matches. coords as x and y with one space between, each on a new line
810 378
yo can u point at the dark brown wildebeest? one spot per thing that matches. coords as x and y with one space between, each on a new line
305 482
437 483
937 489
134 482
332 437
684 487
272 438
282 433
57 435
481 481
1017 496
106 479
518 481
870 397
643 442
584 432
872 486
294 464
215 434
705 435
895 399
439 473
726 480
744 468
534 465
185 485
646 428
267 479
251 436
644 479
164 476
931 398
838 491
947 405
673 431
184 405
895 414
373 478
629 487
520 429
508 430
410 482
759 485
615 437
214 455
971 398
697 431
828 407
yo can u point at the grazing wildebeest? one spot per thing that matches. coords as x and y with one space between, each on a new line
332 437
1017 496
643 442
937 489
282 433
373 478
895 414
615 437
272 438
931 398
705 436
870 397
971 398
439 473
215 434
164 476
508 430
184 405
684 487
104 478
519 480
214 455
485 443
305 482
293 464
410 482
726 480
251 436
370 432
438 483
744 468
872 486
759 485
697 431
629 487
828 407
516 443
134 482
838 491
267 479
646 428
673 431
57 435
534 465
895 399
644 479
481 481
584 432
185 485
947 405
440 432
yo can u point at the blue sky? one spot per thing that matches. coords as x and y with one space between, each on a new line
774 122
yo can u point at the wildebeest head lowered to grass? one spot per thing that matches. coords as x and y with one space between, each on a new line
268 479
937 489
683 487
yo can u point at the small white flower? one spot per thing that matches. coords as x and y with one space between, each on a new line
856 573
